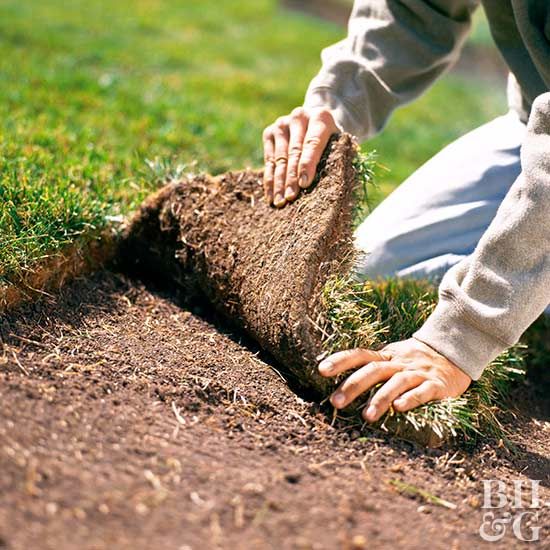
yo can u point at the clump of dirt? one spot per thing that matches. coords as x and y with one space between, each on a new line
262 268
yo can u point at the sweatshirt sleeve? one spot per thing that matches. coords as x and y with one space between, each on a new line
393 51
490 298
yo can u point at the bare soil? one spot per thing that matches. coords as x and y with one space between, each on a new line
129 421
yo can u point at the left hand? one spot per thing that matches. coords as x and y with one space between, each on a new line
413 374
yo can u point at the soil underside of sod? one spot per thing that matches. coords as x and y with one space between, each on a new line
263 268
128 420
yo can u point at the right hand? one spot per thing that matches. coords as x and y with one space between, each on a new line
293 146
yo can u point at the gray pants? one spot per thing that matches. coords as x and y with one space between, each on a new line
437 216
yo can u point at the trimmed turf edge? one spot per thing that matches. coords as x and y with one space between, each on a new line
51 273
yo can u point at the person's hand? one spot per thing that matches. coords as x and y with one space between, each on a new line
413 374
293 146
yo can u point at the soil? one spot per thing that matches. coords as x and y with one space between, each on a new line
129 421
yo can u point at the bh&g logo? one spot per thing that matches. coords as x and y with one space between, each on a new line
525 503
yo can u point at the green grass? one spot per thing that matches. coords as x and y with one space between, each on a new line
91 90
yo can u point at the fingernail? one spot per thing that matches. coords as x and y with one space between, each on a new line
290 194
303 180
279 200
338 399
326 366
370 415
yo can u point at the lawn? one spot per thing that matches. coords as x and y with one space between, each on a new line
101 99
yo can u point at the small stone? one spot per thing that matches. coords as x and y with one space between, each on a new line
474 502
142 509
424 509
52 508
358 542
253 488
79 513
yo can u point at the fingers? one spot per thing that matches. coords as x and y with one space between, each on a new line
427 391
393 388
281 137
269 167
293 146
275 139
362 380
298 126
321 127
350 359
413 374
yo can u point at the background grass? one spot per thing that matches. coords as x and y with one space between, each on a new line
91 90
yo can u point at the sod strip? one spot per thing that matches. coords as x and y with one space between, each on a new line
262 268
282 276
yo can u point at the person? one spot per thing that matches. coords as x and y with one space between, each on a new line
477 215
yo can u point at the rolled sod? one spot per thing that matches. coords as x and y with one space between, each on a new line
261 267
283 277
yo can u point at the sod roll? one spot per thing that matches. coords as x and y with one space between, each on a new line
261 267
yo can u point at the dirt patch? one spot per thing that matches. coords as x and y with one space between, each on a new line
128 421
262 267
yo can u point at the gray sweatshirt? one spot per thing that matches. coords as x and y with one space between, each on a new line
394 50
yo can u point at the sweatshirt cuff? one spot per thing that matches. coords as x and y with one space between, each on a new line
449 332
343 113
